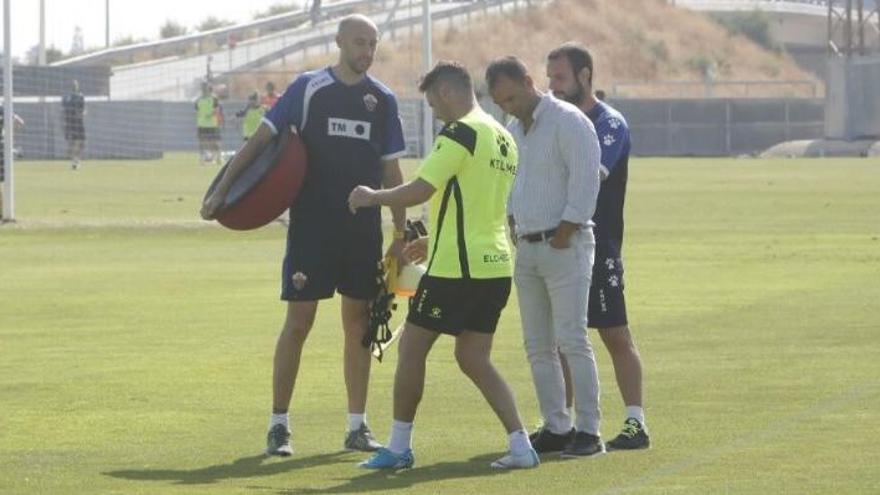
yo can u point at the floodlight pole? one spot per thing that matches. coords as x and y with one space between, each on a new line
41 55
427 115
8 118
107 24
428 120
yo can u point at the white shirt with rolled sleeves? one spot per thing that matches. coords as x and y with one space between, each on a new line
557 179
558 173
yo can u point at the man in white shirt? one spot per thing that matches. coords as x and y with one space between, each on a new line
550 209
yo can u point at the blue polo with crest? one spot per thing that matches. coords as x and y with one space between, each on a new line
348 131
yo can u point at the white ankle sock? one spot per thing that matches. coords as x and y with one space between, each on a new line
518 442
401 437
356 420
279 419
636 412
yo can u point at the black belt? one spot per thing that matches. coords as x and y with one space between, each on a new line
539 236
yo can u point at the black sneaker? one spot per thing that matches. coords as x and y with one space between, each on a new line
583 445
362 440
632 437
278 441
545 441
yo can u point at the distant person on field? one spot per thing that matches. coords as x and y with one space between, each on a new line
73 106
251 115
209 117
271 97
467 177
570 70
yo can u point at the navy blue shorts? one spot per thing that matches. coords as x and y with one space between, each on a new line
208 133
75 130
607 306
452 305
325 260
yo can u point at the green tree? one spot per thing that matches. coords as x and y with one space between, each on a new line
212 22
754 25
53 54
128 40
171 28
277 9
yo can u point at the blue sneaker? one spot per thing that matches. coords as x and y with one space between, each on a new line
385 459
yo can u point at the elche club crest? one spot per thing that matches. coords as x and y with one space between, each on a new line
370 101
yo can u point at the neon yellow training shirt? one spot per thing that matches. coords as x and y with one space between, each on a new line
252 119
472 166
206 107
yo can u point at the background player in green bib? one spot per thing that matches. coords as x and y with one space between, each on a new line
209 115
471 168
251 115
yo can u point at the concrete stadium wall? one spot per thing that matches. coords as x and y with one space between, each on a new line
853 98
710 127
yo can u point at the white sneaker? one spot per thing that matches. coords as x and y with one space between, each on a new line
527 460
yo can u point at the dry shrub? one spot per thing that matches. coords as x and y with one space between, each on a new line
631 40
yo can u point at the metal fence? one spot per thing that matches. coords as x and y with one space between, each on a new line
711 127
716 88
720 127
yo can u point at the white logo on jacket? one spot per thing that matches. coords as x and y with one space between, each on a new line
357 129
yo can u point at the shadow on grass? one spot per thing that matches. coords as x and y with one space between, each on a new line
368 481
246 467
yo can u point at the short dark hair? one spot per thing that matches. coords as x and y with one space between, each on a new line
449 72
509 67
577 54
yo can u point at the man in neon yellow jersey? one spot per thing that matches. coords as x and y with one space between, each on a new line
468 281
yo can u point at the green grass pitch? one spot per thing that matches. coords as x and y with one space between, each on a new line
136 344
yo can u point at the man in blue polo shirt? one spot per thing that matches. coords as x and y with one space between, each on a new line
350 125
570 70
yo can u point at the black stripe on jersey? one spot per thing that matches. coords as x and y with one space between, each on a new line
441 214
453 189
462 134
459 227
